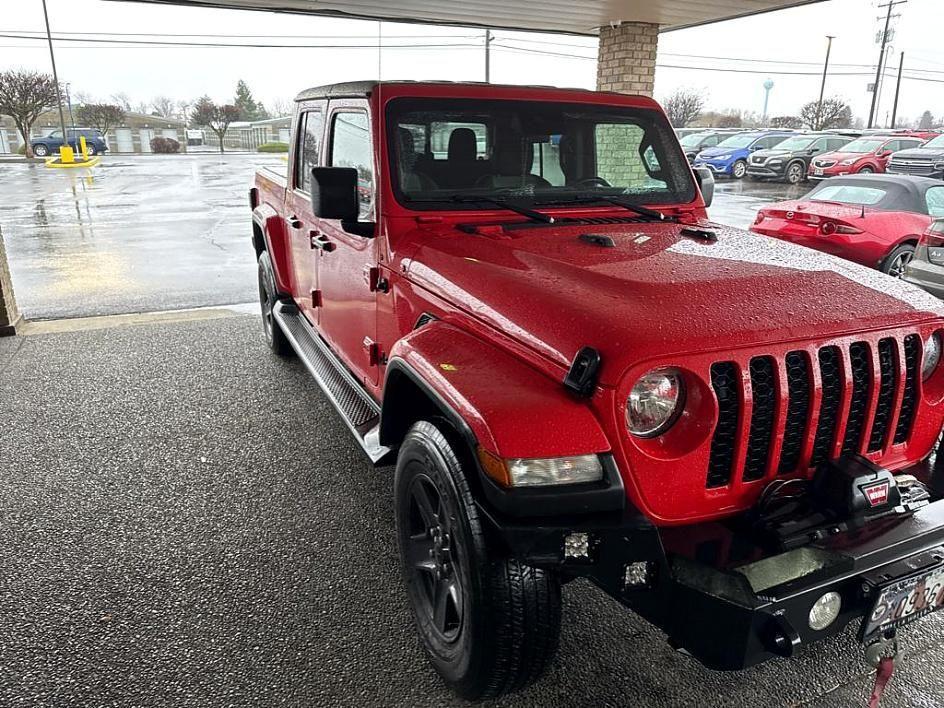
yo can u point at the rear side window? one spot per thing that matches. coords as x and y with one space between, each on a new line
935 200
849 194
351 147
836 143
308 148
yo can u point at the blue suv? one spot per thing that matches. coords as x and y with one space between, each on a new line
94 142
729 158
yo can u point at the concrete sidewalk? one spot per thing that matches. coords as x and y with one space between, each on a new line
186 522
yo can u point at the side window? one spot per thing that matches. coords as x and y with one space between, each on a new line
836 144
711 142
893 145
935 199
765 143
351 147
308 147
821 145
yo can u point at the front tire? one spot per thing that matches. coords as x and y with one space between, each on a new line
796 171
739 169
866 171
40 150
268 297
90 150
896 261
489 624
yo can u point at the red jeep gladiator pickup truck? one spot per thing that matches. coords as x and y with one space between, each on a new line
516 294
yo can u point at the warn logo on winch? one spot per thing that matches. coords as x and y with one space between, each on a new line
877 493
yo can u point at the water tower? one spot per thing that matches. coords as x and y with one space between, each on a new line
768 85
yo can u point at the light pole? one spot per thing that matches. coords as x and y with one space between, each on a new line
488 62
55 78
69 103
822 87
768 85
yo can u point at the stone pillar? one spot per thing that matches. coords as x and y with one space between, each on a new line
626 61
9 315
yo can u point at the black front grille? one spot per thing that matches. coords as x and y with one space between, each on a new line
888 371
830 369
724 381
764 389
798 409
861 360
863 385
909 402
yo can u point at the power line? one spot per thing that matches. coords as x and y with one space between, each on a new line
152 43
63 33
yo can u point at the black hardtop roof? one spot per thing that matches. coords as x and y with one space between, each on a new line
362 89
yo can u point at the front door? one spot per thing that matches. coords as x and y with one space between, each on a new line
300 222
348 312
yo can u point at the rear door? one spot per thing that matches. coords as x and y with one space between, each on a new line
348 312
307 152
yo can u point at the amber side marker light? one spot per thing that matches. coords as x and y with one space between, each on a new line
494 467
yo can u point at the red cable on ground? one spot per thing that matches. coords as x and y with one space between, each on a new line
884 674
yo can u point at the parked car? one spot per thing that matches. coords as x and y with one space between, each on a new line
875 220
789 160
925 161
94 142
729 158
694 143
926 268
866 155
579 375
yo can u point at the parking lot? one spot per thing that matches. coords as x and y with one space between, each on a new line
145 233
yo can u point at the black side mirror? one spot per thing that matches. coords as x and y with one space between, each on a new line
334 193
706 183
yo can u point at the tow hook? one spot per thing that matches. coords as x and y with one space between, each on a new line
881 655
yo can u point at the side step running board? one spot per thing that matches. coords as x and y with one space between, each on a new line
358 410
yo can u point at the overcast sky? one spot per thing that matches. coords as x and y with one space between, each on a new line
786 46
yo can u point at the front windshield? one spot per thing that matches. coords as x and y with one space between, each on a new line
793 144
864 145
937 142
694 140
470 151
737 141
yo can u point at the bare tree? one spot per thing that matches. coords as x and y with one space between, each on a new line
834 113
683 106
163 106
793 122
282 107
24 96
183 109
217 118
100 115
122 100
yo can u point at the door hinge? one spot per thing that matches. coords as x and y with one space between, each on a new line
316 300
375 281
374 355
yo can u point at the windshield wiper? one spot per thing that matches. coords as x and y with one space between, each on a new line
631 206
504 204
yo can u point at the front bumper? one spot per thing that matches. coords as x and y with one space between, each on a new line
718 168
719 595
767 171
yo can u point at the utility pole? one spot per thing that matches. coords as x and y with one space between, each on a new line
488 52
901 68
55 77
822 87
881 58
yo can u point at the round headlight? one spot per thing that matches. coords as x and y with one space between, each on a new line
932 355
654 402
825 611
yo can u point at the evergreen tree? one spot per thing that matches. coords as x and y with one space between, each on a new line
249 108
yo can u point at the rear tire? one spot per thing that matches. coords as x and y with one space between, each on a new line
489 624
274 336
90 150
895 262
739 169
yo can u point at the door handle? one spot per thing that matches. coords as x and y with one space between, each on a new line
320 241
294 222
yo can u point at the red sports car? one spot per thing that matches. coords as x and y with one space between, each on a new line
865 155
875 220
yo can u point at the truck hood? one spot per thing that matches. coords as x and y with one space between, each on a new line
656 292
919 154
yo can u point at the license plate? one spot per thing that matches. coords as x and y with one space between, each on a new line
904 601
818 171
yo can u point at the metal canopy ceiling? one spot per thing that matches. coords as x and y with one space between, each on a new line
568 16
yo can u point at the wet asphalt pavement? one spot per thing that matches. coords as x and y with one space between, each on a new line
186 522
145 233
136 234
